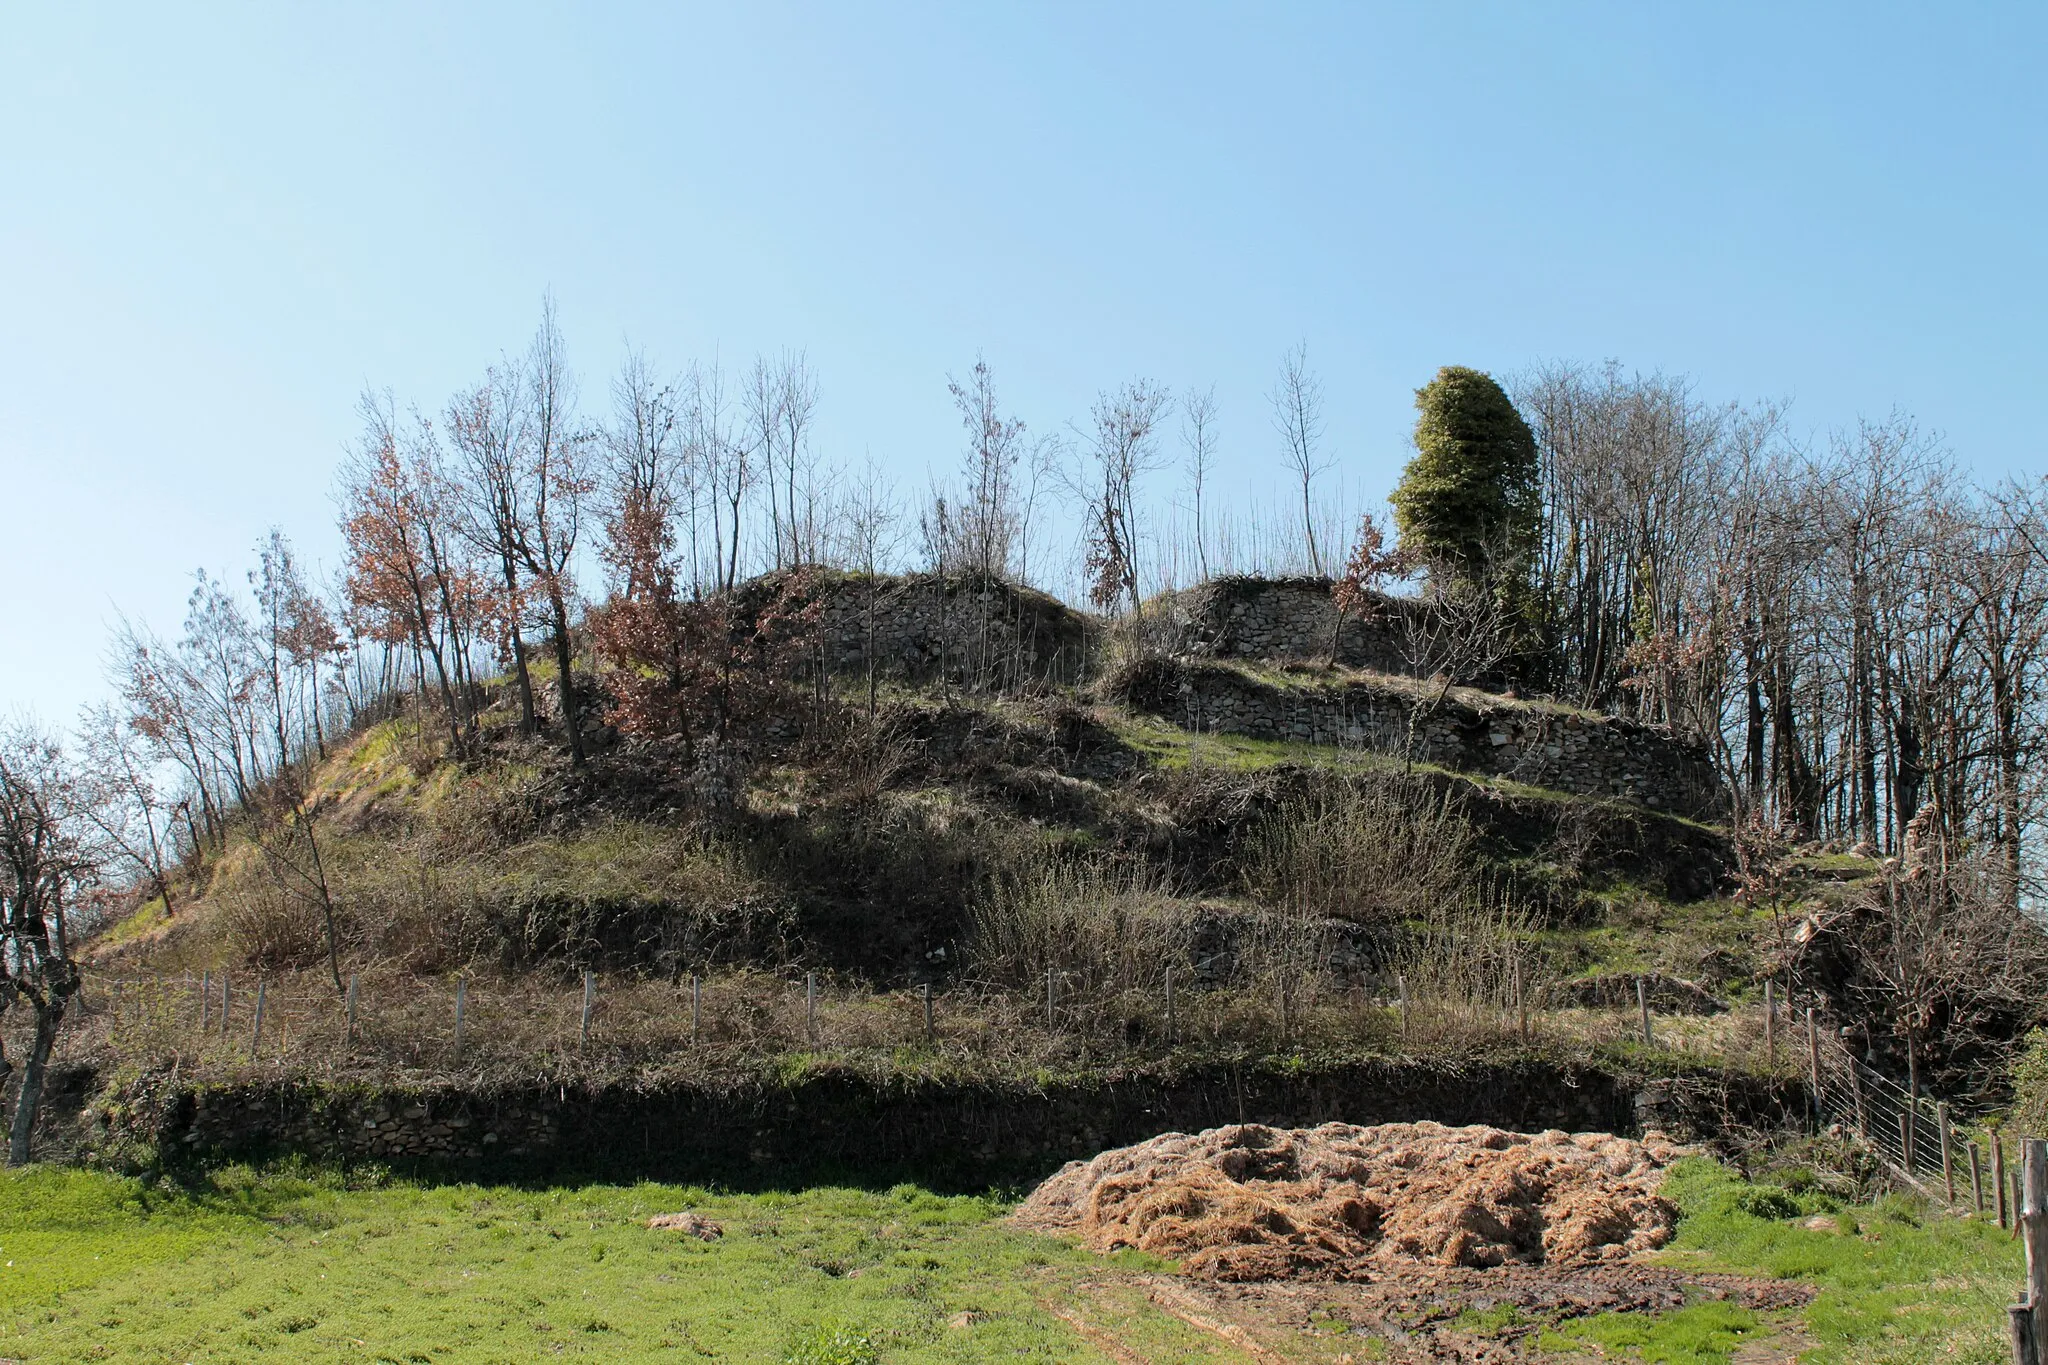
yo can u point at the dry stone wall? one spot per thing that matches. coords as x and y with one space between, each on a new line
1241 617
1466 731
831 1125
966 629
362 1126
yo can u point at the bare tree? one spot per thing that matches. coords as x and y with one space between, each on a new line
2008 570
728 469
978 533
1464 635
642 467
157 692
1122 446
797 401
763 400
483 425
407 582
48 860
287 830
1930 956
295 634
1297 401
1198 436
135 818
871 527
218 667
555 485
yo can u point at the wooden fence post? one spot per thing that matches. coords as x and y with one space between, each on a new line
589 1002
256 1033
351 1007
1948 1152
811 1007
1976 1176
227 1001
1771 1024
1998 1174
1170 1021
1813 1060
1643 1005
461 999
1401 984
1911 1112
1856 1093
928 1029
696 1005
1521 1002
2034 1231
205 999
1906 1140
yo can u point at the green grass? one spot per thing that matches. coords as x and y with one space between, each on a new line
146 917
1170 747
1898 1286
1698 1334
285 1268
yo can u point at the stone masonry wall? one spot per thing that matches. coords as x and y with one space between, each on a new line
966 629
1545 745
957 1134
1241 617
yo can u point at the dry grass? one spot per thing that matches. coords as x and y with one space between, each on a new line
1363 850
753 1024
421 904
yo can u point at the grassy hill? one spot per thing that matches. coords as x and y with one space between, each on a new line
1043 890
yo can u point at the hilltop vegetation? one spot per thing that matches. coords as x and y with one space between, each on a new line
1602 714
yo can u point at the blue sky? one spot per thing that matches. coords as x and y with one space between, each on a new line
218 223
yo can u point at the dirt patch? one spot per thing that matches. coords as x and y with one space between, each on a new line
1338 1202
1457 1313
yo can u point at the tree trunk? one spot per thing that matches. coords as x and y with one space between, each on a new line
527 722
1911 775
1866 718
29 1101
326 901
2006 766
566 682
319 734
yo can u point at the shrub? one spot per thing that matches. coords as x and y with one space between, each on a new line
2030 1084
1363 850
1102 926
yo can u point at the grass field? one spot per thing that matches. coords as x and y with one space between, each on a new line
281 1267
1898 1285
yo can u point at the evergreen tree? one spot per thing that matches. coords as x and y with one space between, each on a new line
1467 504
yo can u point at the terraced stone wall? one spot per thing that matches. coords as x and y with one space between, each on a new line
1466 731
965 1134
965 629
1242 617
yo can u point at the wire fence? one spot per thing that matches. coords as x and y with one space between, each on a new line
220 1023
1961 1166
229 1022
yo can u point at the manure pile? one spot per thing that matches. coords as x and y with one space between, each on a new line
1248 1202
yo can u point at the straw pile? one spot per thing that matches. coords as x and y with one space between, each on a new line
1248 1202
